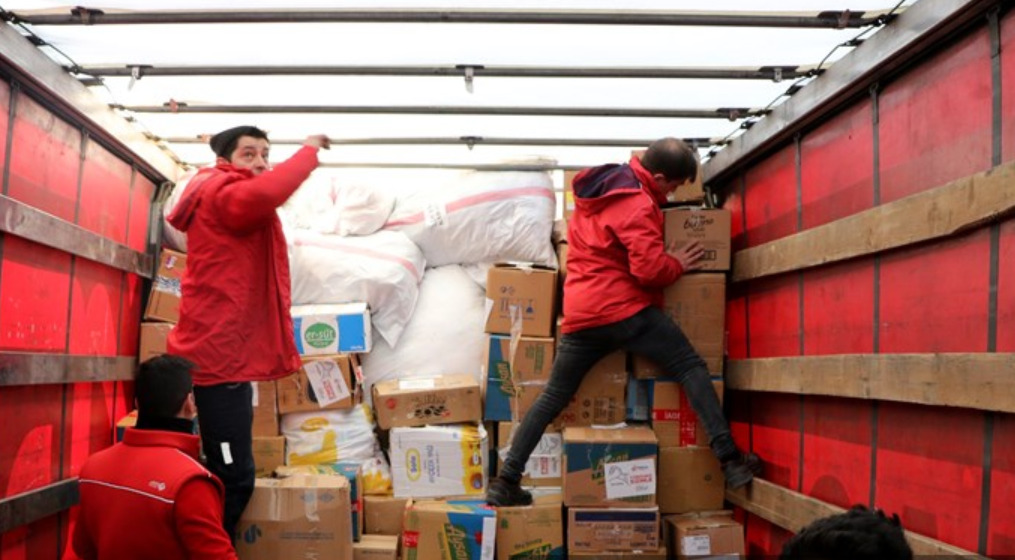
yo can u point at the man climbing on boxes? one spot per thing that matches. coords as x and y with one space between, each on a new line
234 311
617 267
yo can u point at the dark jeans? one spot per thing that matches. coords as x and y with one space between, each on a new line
650 333
225 414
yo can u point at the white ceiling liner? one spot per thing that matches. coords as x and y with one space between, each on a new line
436 44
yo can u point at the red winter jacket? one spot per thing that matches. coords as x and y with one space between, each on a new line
148 498
234 313
617 263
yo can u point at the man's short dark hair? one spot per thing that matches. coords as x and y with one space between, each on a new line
224 143
672 157
857 533
162 385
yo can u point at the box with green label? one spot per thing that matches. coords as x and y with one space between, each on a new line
607 467
331 329
534 531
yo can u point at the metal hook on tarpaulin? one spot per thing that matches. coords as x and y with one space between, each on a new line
86 15
471 141
136 73
469 71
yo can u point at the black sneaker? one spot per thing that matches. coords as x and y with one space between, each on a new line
740 472
504 494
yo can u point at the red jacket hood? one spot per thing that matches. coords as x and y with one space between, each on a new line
182 215
593 188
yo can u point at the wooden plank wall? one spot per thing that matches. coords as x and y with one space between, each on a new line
872 363
53 302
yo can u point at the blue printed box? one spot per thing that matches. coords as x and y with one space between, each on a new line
499 386
331 329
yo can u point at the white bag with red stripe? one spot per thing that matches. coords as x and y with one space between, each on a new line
383 269
485 216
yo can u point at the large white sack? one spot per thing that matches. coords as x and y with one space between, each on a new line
484 216
384 270
172 237
324 205
445 335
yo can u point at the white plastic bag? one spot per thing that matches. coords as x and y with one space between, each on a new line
172 237
482 217
383 269
445 335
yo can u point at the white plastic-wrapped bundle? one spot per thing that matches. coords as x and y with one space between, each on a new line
329 436
482 217
172 237
445 334
325 205
384 270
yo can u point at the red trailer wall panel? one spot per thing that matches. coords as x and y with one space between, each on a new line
1006 276
773 317
775 436
1008 92
837 167
935 121
5 102
930 470
770 199
34 297
1001 529
837 450
45 160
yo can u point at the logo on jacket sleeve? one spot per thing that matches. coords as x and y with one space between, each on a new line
157 485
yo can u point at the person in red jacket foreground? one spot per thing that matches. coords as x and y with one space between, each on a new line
148 496
617 267
234 312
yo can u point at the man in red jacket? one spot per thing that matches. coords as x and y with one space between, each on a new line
148 496
234 312
617 267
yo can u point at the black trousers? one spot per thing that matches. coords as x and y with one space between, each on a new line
650 333
225 414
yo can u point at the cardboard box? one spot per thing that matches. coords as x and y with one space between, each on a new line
690 479
609 467
715 535
376 547
530 292
164 299
535 531
559 233
532 358
439 461
265 410
269 454
324 382
153 340
569 194
658 554
545 466
445 399
383 514
612 529
352 471
499 384
600 398
696 302
449 531
709 226
562 250
297 517
674 421
322 330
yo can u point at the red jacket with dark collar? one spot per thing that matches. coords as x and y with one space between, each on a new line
148 497
234 313
617 263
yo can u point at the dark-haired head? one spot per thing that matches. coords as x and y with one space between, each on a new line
224 143
672 158
162 386
857 533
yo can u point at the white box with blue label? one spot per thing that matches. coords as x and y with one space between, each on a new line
331 329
